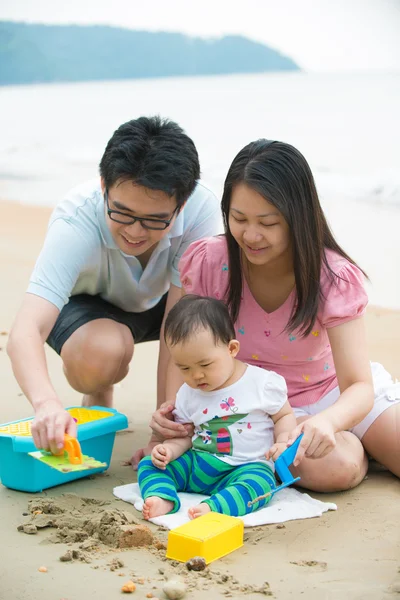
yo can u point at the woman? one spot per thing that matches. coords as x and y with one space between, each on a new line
298 303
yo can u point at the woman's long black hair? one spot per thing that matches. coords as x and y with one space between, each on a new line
281 174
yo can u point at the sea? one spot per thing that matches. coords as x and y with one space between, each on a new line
346 125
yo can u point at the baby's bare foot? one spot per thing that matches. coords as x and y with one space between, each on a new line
198 510
155 507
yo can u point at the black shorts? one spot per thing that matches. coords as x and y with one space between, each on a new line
144 326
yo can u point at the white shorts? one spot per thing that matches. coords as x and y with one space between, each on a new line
387 393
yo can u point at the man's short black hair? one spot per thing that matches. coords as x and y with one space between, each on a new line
154 153
193 313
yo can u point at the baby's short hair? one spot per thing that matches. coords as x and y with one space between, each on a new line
192 313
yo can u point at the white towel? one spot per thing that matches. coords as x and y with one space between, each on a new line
286 505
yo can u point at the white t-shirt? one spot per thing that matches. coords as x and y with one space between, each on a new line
234 423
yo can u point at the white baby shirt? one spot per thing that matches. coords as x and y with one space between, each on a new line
234 423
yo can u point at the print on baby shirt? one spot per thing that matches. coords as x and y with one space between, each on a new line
216 435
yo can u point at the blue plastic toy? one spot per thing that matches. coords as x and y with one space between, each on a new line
96 428
282 465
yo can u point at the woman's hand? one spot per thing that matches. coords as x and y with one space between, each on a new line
161 456
318 439
50 424
164 427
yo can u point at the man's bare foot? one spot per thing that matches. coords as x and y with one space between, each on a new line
156 507
198 510
103 398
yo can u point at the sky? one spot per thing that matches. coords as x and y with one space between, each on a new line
320 35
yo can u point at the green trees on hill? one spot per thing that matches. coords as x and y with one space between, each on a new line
49 53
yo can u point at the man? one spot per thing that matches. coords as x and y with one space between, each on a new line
108 271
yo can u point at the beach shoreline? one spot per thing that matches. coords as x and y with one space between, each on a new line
356 550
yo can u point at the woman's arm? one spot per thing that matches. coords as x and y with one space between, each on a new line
353 372
350 355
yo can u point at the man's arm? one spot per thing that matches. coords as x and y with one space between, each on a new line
204 220
64 254
169 379
25 348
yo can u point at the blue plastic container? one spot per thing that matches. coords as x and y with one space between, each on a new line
96 426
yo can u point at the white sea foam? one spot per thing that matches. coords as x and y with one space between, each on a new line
381 187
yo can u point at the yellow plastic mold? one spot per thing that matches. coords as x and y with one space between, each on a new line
22 428
211 536
86 415
82 416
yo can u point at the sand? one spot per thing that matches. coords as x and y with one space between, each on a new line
353 553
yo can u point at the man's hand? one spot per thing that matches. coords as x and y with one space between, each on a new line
161 456
276 450
164 427
50 424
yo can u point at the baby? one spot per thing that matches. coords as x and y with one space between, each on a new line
237 410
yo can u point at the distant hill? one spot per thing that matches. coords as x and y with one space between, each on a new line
32 53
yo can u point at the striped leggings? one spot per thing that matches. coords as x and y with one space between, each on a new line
230 487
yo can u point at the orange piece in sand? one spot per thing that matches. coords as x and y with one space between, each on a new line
128 588
42 569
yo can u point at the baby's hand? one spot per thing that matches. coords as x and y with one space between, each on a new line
276 450
161 456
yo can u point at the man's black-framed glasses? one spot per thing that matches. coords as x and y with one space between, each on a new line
125 219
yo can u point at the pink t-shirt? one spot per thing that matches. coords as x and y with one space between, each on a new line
306 363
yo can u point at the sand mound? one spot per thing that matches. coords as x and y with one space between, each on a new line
87 520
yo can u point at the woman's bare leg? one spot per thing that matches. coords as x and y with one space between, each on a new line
342 469
382 439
